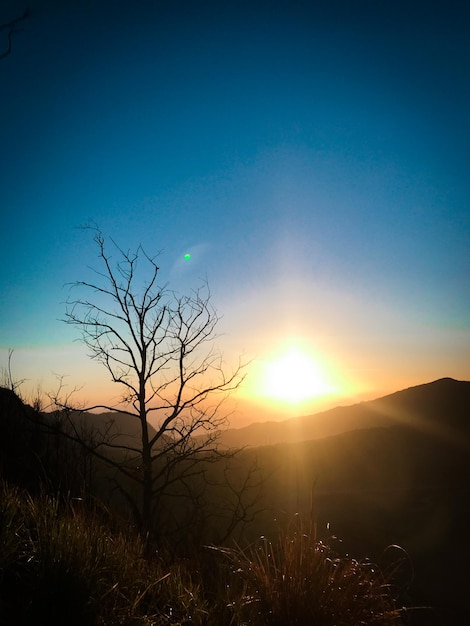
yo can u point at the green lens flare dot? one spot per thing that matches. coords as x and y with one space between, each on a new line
187 257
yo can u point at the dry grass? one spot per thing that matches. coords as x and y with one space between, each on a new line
298 580
62 562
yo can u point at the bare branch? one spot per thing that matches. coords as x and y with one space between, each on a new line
7 379
12 27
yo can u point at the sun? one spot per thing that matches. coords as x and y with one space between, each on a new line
294 377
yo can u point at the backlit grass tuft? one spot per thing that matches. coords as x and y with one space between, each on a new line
298 580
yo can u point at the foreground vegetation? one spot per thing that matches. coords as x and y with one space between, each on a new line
66 562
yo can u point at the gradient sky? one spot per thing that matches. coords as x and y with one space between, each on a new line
313 157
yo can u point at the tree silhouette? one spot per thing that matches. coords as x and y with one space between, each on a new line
159 347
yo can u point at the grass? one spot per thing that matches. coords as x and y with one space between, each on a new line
61 564
65 562
297 580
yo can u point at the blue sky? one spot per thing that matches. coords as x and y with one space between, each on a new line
312 156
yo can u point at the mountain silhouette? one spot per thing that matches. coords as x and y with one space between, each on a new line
441 408
119 428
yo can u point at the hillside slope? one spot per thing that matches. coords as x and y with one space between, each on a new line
403 482
441 407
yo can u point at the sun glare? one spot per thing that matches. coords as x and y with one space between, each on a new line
294 377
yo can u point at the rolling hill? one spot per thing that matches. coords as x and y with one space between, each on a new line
441 407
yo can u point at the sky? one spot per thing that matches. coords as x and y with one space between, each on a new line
312 157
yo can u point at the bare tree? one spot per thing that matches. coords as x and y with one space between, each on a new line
10 28
159 347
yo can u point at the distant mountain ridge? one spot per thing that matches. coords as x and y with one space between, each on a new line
441 407
120 428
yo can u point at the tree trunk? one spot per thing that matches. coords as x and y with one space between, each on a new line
146 461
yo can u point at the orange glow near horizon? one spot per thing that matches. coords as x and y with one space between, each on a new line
293 377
